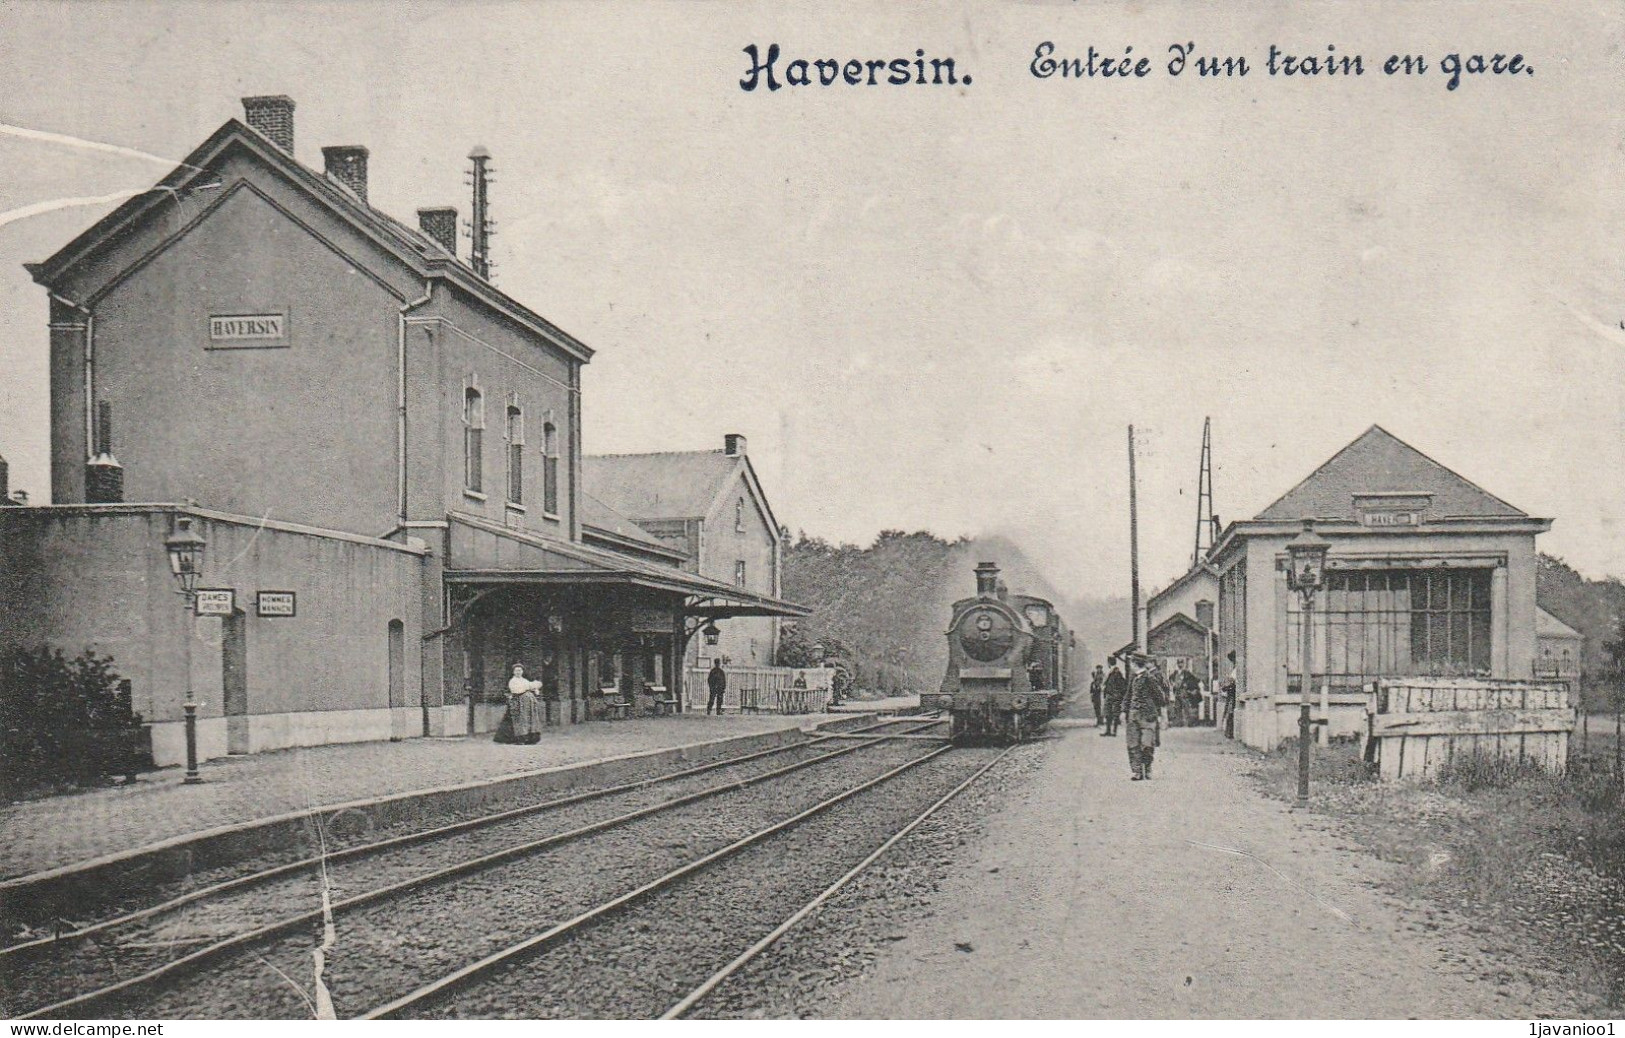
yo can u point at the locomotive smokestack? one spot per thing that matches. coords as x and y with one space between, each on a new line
987 579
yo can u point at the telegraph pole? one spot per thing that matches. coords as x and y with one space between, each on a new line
1133 544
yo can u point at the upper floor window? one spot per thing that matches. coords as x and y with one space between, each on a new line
516 454
739 515
550 469
473 440
739 573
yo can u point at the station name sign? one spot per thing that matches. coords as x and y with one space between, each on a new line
247 331
1395 509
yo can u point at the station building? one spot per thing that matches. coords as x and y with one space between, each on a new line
1428 574
382 450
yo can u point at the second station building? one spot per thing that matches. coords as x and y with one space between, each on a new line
1428 574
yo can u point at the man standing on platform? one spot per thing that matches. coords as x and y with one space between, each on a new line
1116 690
1147 711
1096 690
717 682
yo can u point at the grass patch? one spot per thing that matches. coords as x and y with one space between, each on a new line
1498 841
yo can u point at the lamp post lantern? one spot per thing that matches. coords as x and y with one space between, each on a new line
185 547
1306 574
712 632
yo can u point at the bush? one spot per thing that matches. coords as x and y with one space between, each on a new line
1474 771
63 719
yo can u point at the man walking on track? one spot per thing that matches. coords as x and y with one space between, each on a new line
1096 689
717 682
1147 710
1116 690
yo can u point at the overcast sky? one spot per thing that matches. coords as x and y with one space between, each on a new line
940 308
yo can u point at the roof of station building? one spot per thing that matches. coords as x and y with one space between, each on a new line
1377 462
417 250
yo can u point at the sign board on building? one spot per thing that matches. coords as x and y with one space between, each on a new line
216 601
274 603
1400 508
650 620
247 331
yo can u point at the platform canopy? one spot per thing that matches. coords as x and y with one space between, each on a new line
485 554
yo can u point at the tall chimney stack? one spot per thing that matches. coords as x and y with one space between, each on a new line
5 477
440 224
733 445
479 221
347 164
272 116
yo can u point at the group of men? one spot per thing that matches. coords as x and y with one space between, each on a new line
1141 704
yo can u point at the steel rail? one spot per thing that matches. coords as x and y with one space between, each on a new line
64 939
474 971
693 997
78 1003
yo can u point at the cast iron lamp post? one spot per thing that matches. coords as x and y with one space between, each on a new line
185 548
1306 574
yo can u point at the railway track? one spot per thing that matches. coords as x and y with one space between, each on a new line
130 957
660 949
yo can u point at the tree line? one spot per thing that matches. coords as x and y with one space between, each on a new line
882 610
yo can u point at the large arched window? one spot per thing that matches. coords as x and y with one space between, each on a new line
473 440
516 454
550 469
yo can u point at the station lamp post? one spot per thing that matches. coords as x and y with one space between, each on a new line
185 547
1306 574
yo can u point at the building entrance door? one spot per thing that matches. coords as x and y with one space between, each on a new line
397 664
234 680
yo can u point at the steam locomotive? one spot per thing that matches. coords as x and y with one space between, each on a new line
1007 664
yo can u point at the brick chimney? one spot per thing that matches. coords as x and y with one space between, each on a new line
272 116
104 476
1204 613
440 224
733 445
347 164
5 477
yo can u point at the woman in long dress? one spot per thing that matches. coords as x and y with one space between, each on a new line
523 721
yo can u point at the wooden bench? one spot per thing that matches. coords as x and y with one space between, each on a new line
750 700
665 703
615 706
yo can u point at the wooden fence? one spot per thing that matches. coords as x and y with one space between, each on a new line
766 690
1418 725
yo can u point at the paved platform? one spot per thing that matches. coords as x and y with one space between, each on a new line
48 833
